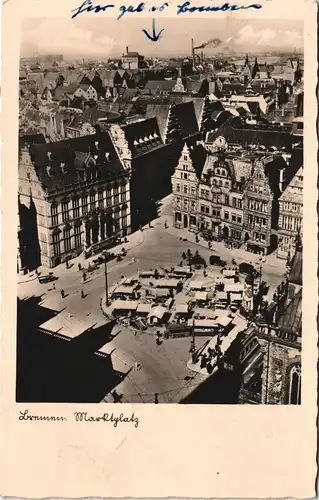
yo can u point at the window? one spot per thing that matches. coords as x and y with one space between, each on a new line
226 199
65 211
233 218
178 216
92 201
185 189
193 206
185 157
116 199
123 195
262 237
77 236
226 215
193 191
54 213
239 220
178 188
185 204
84 202
226 183
100 199
56 244
202 209
67 240
178 201
192 220
76 208
185 176
294 396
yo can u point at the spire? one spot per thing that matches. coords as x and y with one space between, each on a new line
255 69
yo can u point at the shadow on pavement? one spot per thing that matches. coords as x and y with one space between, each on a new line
53 368
223 386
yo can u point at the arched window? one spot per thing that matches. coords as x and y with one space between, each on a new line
294 395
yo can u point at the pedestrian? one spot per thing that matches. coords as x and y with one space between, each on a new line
165 224
79 266
53 286
156 398
84 277
67 264
82 294
62 293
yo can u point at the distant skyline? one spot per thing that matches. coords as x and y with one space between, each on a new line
106 38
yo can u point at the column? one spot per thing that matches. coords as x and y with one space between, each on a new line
102 227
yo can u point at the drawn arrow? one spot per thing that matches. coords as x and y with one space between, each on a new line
154 37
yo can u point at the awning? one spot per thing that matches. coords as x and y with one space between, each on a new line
125 305
200 296
144 308
196 285
224 321
181 309
157 312
235 297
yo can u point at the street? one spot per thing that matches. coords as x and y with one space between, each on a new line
163 368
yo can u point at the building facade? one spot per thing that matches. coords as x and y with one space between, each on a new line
185 192
270 354
74 195
235 196
290 215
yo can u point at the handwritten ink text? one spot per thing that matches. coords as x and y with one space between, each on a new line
187 7
88 7
24 415
82 416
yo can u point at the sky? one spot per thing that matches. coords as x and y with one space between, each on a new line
105 37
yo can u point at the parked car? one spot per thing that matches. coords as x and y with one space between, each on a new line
47 278
245 268
215 260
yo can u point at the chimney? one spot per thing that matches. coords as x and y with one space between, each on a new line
127 50
281 178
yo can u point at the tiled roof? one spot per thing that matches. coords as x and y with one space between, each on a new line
65 152
143 136
165 85
290 321
266 136
185 113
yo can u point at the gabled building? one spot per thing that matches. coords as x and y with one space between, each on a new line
290 215
261 206
185 185
78 192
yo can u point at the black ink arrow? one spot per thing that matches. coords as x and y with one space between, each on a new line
154 37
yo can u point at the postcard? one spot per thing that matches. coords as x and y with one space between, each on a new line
159 249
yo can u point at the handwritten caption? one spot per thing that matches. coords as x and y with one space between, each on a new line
185 7
83 416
